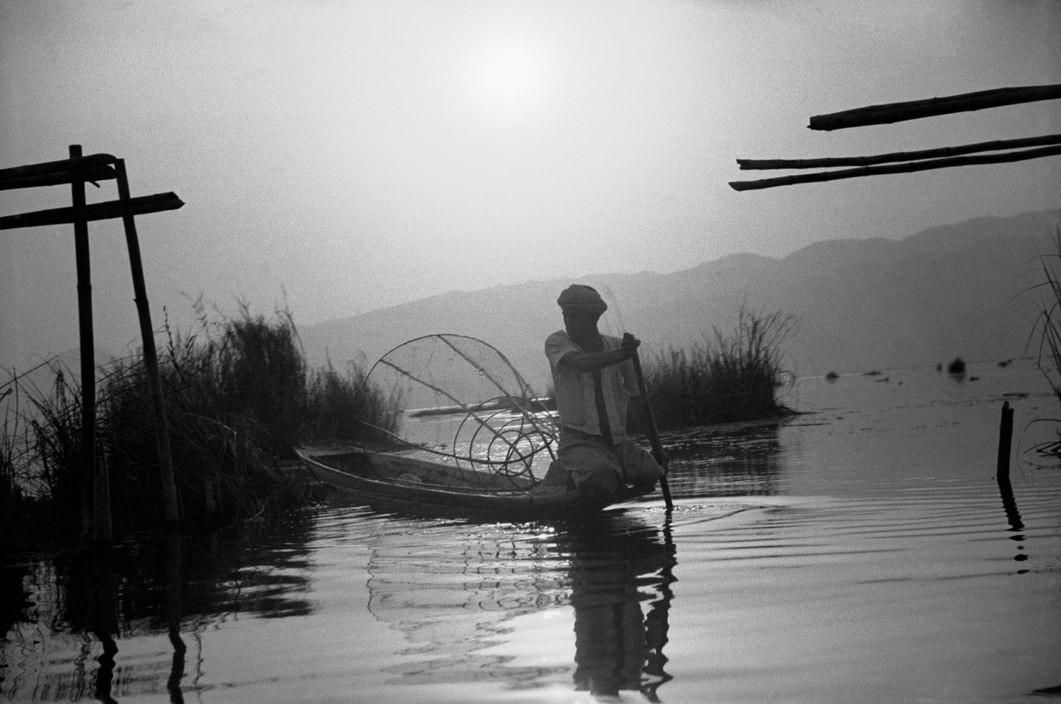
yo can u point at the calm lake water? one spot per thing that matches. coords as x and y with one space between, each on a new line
860 552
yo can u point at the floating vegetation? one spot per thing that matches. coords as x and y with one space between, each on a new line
730 378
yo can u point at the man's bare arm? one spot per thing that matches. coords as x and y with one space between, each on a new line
595 361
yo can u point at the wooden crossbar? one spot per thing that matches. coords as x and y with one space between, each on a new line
107 210
829 162
905 167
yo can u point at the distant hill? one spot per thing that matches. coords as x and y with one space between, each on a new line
856 304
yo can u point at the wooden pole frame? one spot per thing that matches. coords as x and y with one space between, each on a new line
96 523
922 160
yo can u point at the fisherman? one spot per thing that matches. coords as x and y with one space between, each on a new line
594 381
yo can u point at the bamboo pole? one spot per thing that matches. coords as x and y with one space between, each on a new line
906 167
830 162
887 113
92 524
170 502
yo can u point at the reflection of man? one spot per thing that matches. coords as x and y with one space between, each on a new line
613 573
593 379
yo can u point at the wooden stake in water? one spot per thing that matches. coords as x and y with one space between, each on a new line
1005 440
1005 434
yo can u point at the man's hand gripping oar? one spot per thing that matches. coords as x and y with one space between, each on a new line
650 421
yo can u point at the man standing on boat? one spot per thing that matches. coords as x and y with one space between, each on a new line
593 379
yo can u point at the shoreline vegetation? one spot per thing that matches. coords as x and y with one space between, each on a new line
240 396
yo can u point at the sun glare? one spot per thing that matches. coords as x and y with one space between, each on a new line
511 77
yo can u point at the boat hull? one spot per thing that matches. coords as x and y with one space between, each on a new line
397 482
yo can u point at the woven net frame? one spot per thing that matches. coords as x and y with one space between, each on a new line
463 404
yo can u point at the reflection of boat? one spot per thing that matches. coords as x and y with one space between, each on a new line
402 480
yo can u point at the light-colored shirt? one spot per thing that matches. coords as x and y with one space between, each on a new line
576 399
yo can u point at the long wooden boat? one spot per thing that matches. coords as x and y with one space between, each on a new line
405 483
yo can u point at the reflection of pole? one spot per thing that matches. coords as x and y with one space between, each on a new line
657 623
1009 503
173 614
103 619
1016 525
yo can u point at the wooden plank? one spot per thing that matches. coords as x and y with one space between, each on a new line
107 210
829 162
897 168
887 113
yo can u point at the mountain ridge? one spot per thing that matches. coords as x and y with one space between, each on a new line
962 289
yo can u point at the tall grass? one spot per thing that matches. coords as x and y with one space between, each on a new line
40 445
238 397
726 378
341 405
1048 324
13 500
1048 329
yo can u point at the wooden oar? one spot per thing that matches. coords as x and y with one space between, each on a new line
653 433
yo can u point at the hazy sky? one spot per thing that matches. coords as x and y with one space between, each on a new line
355 154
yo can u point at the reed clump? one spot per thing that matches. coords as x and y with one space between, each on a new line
342 405
726 378
238 397
1048 330
40 444
1048 324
